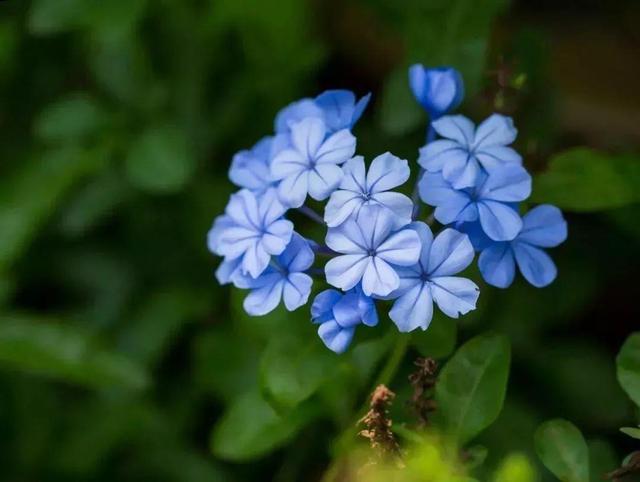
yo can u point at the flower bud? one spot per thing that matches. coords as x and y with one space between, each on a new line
439 90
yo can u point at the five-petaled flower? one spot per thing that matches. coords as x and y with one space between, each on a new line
357 189
372 250
466 152
312 164
543 227
339 314
252 231
284 278
492 201
431 280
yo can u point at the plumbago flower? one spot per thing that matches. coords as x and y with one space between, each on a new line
491 200
431 280
465 152
372 250
377 250
357 189
312 164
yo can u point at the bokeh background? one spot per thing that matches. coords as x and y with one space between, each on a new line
120 356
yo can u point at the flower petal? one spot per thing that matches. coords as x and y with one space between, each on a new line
414 309
451 252
338 107
255 260
297 289
298 256
535 265
397 203
462 175
435 155
497 265
455 127
450 203
454 296
243 209
295 112
292 191
499 221
346 312
379 278
347 238
497 129
401 248
227 270
510 183
288 162
354 175
543 226
214 236
337 149
493 157
340 206
346 271
336 338
264 299
307 136
277 236
376 223
270 208
386 172
323 303
323 180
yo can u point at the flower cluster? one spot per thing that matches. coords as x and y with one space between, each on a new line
376 248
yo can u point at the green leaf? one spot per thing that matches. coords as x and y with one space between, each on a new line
251 428
563 450
400 113
63 352
515 467
439 340
628 367
22 211
48 17
472 385
631 432
292 369
602 459
72 118
160 160
583 179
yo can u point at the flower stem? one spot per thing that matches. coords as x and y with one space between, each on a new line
415 197
311 214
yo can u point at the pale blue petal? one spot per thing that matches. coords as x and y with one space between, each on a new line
292 191
375 223
454 296
494 157
322 306
510 183
455 127
297 289
250 168
495 130
358 110
298 256
263 300
451 252
426 239
497 265
270 208
255 260
499 221
227 270
462 175
338 106
277 236
435 155
288 162
367 309
379 278
214 236
354 175
335 338
338 148
386 172
402 248
535 265
340 206
295 112
414 309
438 90
346 311
308 135
234 241
346 239
346 271
544 226
476 234
451 204
243 209
397 203
323 180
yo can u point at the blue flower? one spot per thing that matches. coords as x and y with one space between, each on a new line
431 280
339 314
466 152
543 227
284 279
357 190
251 169
492 201
311 164
439 90
371 251
337 108
251 231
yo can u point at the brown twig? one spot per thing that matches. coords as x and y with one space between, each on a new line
423 381
378 424
631 467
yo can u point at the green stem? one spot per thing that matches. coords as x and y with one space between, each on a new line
386 375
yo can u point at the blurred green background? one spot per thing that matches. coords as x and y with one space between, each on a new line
120 356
